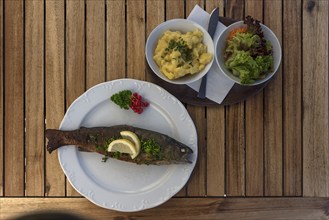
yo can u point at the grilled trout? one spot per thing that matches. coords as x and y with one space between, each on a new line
97 139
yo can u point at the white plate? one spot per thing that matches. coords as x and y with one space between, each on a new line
119 185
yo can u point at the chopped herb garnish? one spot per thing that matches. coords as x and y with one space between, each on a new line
181 46
104 159
103 147
116 154
109 140
151 147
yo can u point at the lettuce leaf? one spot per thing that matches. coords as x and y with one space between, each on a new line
248 69
249 55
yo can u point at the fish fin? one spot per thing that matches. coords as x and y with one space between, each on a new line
55 139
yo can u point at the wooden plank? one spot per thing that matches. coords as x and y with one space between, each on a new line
197 183
215 151
176 208
75 58
95 69
215 135
1 97
254 125
254 146
116 34
292 111
234 158
14 99
136 39
55 181
155 15
235 137
273 111
75 50
211 4
315 98
34 93
190 4
234 9
175 9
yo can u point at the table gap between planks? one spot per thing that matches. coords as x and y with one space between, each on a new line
266 157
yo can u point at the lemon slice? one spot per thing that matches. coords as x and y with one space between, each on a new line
131 136
123 146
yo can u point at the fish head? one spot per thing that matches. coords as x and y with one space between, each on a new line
180 153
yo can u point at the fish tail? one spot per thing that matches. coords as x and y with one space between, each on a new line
55 139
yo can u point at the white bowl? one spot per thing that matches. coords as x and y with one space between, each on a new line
183 26
220 48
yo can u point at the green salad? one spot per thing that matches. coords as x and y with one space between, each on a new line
248 55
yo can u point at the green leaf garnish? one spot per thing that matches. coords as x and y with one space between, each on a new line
122 99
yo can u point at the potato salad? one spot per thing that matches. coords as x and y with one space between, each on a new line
178 54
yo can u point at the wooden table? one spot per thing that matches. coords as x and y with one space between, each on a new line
264 158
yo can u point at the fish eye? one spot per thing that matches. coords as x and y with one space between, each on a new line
182 150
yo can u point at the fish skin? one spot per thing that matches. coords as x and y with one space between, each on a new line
171 151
